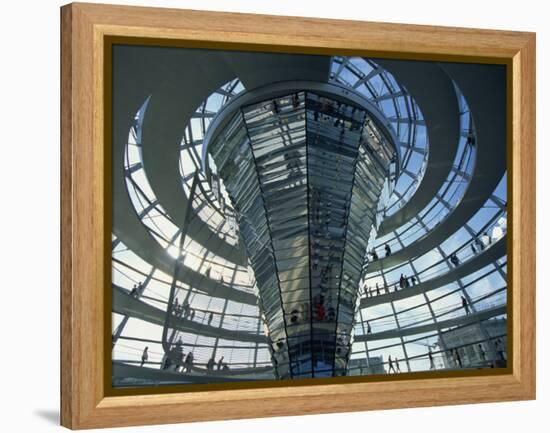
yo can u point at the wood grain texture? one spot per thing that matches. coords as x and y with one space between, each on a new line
524 215
67 385
84 27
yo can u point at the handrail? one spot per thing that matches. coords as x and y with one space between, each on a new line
491 254
461 320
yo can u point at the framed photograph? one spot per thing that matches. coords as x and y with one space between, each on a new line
268 216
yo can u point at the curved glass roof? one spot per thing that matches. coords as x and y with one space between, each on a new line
402 112
449 195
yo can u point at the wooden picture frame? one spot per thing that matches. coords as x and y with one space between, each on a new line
87 32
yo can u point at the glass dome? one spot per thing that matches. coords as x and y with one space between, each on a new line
190 298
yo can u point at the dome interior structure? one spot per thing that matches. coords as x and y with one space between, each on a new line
292 216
